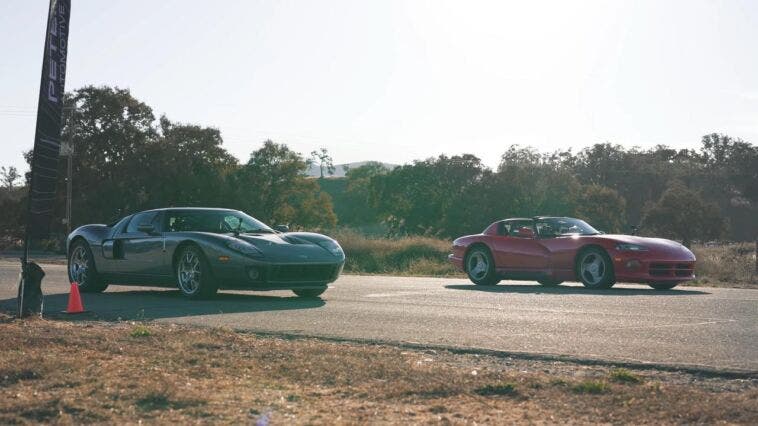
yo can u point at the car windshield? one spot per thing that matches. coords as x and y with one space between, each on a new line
552 227
218 221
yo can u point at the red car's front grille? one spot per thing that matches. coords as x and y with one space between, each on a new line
672 269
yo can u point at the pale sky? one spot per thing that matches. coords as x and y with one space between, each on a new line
395 81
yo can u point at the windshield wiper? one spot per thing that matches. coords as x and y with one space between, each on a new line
260 231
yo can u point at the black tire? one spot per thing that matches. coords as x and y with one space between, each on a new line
193 274
82 270
663 285
547 282
480 266
599 276
310 292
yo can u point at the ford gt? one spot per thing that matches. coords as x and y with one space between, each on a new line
551 250
201 250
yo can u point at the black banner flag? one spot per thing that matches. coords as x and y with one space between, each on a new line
44 176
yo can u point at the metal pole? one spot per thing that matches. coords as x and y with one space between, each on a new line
68 191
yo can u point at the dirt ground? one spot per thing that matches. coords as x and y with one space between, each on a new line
57 371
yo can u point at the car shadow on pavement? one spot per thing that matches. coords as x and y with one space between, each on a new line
613 291
156 304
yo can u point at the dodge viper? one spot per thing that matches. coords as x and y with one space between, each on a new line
551 250
201 250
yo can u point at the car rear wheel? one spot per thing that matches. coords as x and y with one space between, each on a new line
193 275
310 292
481 267
595 269
547 282
81 268
663 285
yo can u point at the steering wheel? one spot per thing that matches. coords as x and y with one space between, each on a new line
226 227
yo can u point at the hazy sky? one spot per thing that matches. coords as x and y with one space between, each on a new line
401 80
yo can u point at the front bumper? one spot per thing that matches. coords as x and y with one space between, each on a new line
653 270
252 274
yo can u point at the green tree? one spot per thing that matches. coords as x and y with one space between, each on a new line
418 198
324 160
110 131
357 208
8 177
273 187
682 214
191 165
603 208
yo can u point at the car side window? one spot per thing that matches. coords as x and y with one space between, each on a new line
139 219
518 224
177 222
503 228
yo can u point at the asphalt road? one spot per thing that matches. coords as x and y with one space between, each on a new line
693 326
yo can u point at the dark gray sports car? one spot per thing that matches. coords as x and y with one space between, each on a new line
201 250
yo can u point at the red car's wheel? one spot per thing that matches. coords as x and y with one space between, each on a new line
481 267
663 285
595 269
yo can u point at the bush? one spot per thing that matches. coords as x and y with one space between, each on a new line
733 263
421 256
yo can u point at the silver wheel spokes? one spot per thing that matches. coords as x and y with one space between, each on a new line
478 265
592 268
79 265
189 272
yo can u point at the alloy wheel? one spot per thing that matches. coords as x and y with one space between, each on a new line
593 268
189 272
79 265
478 265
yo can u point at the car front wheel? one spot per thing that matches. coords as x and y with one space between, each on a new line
481 267
595 269
81 268
193 275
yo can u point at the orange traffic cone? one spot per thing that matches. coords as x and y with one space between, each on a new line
74 300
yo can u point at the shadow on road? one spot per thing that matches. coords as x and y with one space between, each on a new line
613 291
155 304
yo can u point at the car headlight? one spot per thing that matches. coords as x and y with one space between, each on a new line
332 247
630 247
245 248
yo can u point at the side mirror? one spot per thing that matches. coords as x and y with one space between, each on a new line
282 228
634 229
146 228
525 232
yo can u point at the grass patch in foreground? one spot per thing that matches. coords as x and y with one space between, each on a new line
140 330
622 375
89 372
591 386
499 389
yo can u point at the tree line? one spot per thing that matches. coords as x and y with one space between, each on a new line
127 160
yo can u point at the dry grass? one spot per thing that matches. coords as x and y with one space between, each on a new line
728 264
420 256
72 373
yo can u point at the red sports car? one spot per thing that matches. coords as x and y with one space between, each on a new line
551 250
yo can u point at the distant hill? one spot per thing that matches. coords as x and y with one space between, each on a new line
339 169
